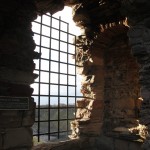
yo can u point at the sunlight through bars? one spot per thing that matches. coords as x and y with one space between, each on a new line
55 89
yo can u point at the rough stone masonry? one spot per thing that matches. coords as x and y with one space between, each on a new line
16 71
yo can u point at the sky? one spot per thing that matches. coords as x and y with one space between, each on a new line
66 15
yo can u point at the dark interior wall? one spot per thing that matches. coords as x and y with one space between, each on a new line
16 72
122 89
138 15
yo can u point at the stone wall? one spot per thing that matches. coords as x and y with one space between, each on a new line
111 85
139 36
122 90
90 143
16 71
91 66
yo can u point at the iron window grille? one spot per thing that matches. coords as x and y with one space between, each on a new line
55 88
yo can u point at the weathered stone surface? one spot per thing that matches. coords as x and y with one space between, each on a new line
141 51
80 15
18 118
16 70
119 144
11 119
145 93
25 148
122 104
94 143
91 129
29 115
96 115
136 146
121 83
91 58
1 140
17 137
105 143
16 76
138 37
19 90
81 103
49 6
96 104
146 145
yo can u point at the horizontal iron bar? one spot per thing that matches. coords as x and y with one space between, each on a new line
55 72
56 49
50 133
53 38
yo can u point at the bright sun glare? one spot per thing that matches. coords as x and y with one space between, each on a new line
66 15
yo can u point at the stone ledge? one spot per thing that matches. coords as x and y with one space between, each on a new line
93 143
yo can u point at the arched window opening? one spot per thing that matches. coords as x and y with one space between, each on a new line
57 87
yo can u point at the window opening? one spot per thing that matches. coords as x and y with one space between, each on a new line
55 91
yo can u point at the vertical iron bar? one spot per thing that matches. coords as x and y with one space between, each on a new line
59 80
39 80
75 78
67 74
49 98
